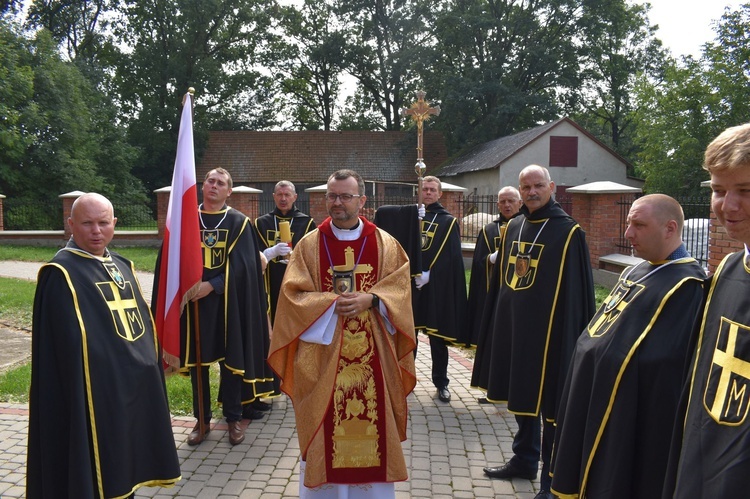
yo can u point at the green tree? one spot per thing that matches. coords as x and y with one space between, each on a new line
386 40
10 6
17 106
60 134
617 44
75 24
308 59
176 44
694 102
673 129
501 67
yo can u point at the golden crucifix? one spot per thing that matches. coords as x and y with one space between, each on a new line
420 112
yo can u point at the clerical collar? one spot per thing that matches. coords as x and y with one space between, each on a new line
348 234
352 228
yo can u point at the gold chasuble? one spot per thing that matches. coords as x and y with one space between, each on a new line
349 395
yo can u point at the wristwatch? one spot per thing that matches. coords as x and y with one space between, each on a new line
375 301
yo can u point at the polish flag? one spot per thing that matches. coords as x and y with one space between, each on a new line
181 268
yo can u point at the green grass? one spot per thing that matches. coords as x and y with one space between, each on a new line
600 293
16 300
180 393
144 259
14 385
27 253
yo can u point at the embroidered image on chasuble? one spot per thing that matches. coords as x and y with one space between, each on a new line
357 434
349 396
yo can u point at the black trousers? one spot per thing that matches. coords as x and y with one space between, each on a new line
439 354
230 393
530 440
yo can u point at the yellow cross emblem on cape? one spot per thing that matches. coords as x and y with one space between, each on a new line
123 307
727 395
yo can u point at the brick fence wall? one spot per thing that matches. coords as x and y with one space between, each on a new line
597 213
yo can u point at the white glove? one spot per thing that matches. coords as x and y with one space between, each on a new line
493 258
280 249
420 211
421 280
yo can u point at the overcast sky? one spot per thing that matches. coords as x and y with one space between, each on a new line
685 25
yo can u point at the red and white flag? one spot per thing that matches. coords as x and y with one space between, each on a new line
181 269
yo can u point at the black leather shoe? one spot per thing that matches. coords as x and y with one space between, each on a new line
261 406
195 436
236 432
248 412
544 494
508 471
443 394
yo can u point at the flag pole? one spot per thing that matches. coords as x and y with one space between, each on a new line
199 368
197 322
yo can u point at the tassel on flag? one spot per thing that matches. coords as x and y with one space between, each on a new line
181 269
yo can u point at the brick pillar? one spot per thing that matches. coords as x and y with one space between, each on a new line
67 201
318 210
2 220
453 202
162 206
597 211
599 217
246 200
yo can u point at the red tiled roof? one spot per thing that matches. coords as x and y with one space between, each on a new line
311 156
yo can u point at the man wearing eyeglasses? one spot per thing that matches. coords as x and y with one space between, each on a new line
439 292
342 346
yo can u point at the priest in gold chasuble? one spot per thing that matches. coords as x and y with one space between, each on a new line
342 346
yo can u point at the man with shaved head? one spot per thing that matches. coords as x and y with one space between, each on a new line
99 422
618 406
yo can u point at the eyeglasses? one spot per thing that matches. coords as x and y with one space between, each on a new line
345 198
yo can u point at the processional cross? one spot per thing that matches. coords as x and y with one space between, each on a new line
420 112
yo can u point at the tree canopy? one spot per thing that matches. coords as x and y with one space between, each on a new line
92 88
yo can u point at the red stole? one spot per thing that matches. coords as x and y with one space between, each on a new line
354 425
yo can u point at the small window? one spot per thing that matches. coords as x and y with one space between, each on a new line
563 151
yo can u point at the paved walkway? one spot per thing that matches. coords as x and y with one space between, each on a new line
447 445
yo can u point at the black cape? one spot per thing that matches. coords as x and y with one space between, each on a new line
268 233
618 407
99 423
402 222
710 456
488 241
234 323
537 318
440 306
